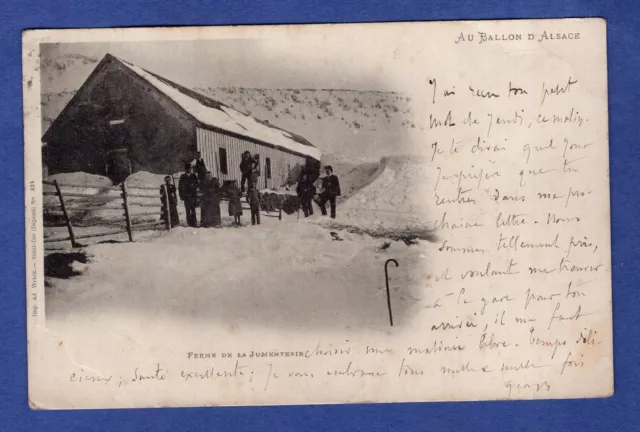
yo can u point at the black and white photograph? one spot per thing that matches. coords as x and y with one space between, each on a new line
317 214
255 203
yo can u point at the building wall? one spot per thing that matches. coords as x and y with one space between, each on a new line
284 166
156 135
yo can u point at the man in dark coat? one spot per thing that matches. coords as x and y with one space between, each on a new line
306 190
330 190
245 169
200 168
188 190
255 168
168 195
210 207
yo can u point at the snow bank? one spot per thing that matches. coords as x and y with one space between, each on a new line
138 183
85 211
354 173
70 183
81 178
394 204
145 179
77 182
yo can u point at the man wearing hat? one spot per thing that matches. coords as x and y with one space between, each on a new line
245 169
188 190
330 190
200 168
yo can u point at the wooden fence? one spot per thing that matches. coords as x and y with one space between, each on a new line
129 198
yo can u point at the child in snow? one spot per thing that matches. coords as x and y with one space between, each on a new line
254 202
235 206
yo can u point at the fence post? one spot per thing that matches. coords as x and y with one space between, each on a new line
65 214
168 207
280 211
125 204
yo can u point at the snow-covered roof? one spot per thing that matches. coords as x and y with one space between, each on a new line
218 115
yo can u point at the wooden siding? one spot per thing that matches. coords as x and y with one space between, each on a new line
283 164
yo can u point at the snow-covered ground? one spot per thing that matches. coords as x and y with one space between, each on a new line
392 202
87 212
281 273
315 272
354 173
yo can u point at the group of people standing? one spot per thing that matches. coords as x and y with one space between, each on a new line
197 187
329 191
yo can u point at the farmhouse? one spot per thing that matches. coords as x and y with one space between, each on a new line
125 119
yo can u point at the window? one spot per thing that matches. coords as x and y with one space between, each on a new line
267 167
223 160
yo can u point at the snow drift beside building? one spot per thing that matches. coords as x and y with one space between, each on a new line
394 204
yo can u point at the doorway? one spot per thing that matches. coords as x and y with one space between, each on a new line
118 156
118 165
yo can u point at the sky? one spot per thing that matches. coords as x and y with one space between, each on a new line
229 62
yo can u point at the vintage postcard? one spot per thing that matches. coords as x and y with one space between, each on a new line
317 214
